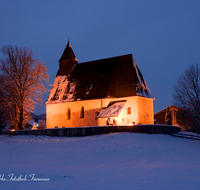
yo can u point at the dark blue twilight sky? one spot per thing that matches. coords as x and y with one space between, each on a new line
162 35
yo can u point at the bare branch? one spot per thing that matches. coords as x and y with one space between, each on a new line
23 81
186 96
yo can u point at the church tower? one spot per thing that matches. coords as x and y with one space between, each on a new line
67 61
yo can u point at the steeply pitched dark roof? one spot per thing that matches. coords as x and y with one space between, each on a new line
68 53
112 77
109 78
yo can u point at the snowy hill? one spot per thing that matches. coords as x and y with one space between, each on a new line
113 161
39 117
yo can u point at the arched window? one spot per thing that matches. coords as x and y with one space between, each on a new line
128 110
69 113
96 115
82 112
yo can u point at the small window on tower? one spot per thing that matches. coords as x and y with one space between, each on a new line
82 112
128 110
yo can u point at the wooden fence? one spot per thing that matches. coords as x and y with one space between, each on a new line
187 136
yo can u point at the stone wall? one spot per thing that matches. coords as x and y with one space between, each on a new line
145 110
57 113
86 131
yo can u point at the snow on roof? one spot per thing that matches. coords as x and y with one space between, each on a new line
59 93
112 111
112 77
142 88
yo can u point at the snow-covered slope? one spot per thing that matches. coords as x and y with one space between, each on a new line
113 161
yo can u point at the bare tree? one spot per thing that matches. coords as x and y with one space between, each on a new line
3 115
23 81
186 96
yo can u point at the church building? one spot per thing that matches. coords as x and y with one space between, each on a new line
103 92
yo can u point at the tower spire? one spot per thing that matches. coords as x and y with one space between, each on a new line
68 53
67 61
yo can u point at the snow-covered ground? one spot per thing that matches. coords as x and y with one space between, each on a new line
112 161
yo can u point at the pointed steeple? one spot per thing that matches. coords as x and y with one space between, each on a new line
68 53
67 61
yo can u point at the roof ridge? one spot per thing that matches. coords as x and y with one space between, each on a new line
106 58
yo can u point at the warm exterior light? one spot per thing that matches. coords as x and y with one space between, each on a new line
109 91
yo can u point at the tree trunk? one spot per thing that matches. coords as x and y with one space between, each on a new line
21 119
